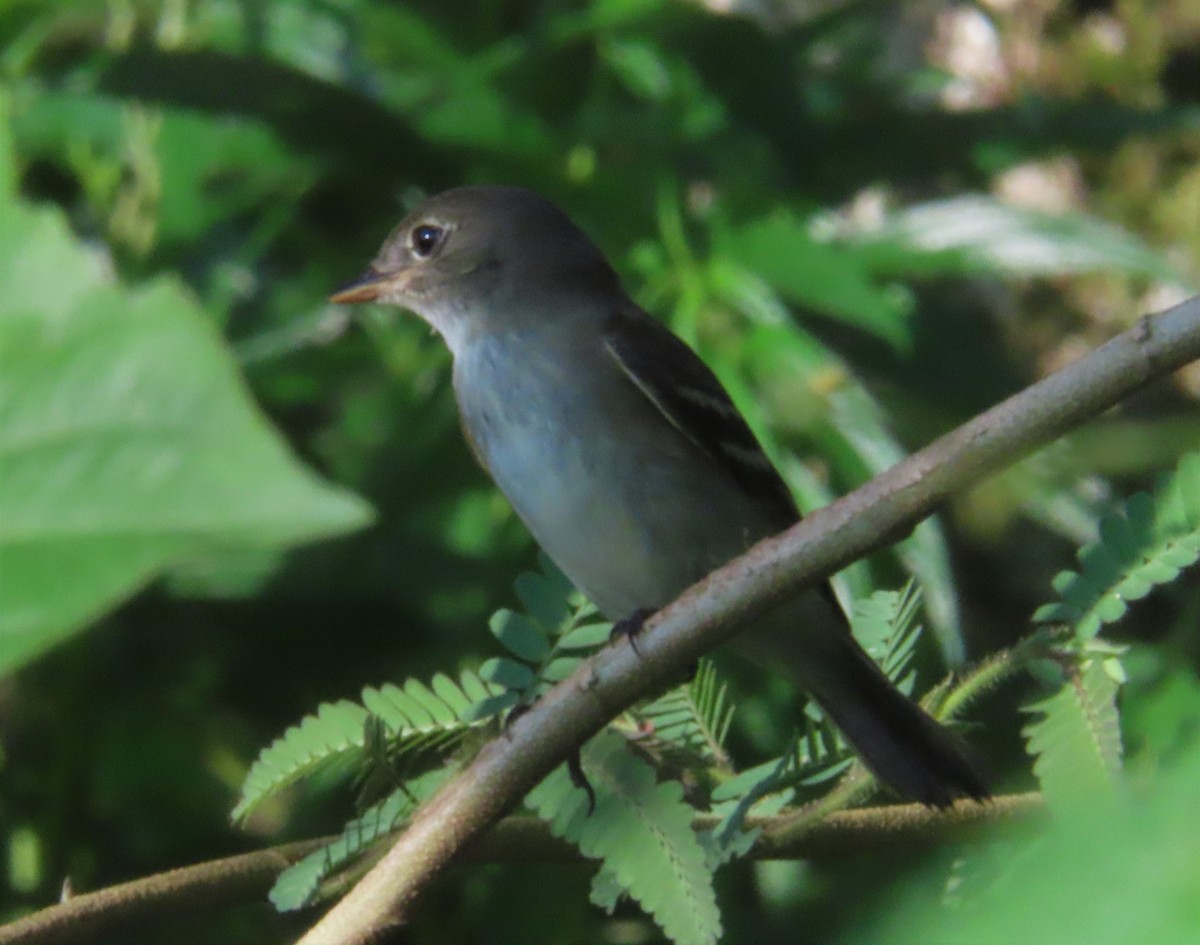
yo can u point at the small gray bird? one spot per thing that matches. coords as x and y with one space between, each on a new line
622 453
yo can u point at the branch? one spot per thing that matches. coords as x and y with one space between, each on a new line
163 895
709 613
521 839
844 833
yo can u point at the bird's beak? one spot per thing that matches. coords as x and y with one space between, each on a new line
366 288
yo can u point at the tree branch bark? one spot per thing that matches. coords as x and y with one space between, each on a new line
164 895
523 839
709 613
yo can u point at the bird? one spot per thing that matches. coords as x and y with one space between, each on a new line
622 453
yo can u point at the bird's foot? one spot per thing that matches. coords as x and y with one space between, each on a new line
512 715
579 779
629 627
574 760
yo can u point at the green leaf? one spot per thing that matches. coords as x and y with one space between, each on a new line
886 625
493 705
639 66
642 832
507 673
8 175
257 171
817 755
545 597
828 278
560 668
452 99
847 426
414 718
694 718
298 885
336 734
519 635
415 709
439 712
976 233
585 637
1076 739
1143 543
46 273
859 421
128 443
1113 875
605 891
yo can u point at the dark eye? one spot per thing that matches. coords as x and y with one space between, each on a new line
425 239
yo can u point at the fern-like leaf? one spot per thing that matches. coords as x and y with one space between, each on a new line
818 755
641 830
414 718
299 885
693 718
1076 739
335 734
543 642
1145 542
606 891
886 625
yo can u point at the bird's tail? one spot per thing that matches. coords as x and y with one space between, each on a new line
894 736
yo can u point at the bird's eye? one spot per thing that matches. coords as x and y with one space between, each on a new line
425 239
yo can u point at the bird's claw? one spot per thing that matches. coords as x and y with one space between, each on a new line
629 627
579 779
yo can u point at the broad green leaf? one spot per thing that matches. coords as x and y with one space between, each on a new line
128 445
258 172
120 147
8 176
43 269
62 123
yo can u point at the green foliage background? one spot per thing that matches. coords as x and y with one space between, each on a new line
868 241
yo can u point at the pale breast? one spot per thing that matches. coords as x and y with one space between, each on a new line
623 504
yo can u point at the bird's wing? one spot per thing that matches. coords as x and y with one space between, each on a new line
689 395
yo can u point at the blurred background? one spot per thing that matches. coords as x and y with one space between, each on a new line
873 219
